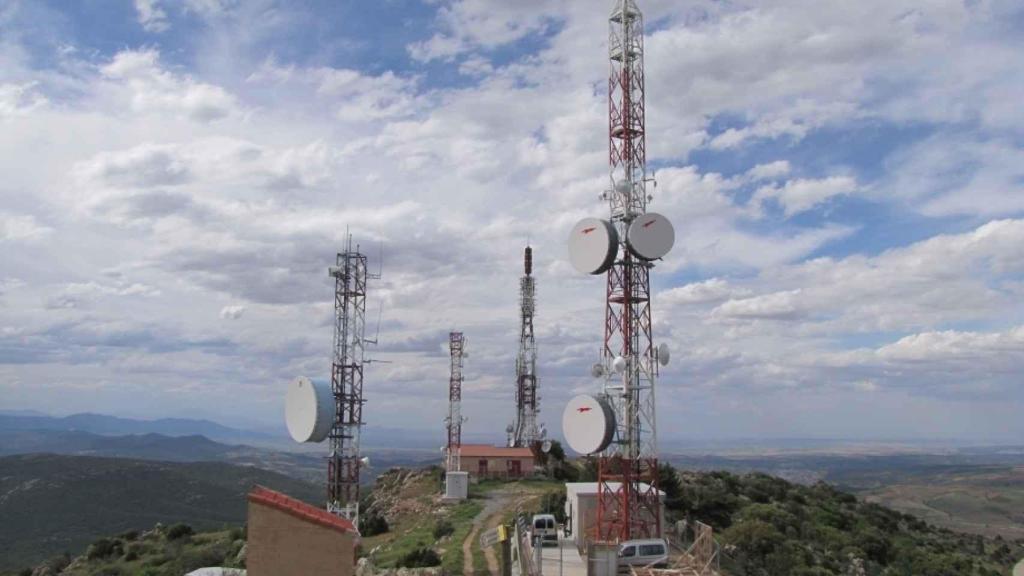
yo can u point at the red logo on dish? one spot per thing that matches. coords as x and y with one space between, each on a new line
584 409
647 224
589 230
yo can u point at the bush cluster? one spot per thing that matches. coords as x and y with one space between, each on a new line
420 558
179 530
772 527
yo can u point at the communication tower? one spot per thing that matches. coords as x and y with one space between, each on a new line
620 424
343 462
457 348
524 431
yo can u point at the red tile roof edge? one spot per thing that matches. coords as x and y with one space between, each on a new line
300 510
496 451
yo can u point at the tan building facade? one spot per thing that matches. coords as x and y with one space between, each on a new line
288 537
485 461
581 511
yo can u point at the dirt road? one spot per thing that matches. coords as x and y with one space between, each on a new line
1018 570
496 502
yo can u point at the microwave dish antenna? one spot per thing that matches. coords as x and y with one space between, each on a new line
650 236
308 410
588 424
593 245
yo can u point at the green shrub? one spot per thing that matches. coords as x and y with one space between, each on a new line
129 535
443 528
372 523
179 530
104 548
420 558
238 533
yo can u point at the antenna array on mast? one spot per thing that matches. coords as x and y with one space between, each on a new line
344 461
524 431
454 421
624 247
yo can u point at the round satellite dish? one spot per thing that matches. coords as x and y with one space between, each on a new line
623 187
308 410
588 424
593 244
364 461
619 365
664 355
650 236
597 370
546 446
508 429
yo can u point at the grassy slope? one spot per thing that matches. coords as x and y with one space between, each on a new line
412 524
50 504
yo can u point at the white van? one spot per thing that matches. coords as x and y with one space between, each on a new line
543 526
652 552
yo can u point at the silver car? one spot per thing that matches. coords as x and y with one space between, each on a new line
651 552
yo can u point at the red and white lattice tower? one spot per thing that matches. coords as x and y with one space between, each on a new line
456 345
343 462
524 431
628 504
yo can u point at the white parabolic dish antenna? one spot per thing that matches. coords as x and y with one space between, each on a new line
308 410
593 244
650 236
588 424
664 355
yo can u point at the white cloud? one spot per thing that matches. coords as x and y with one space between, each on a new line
356 97
776 306
769 171
951 346
801 195
79 294
151 16
485 24
20 99
232 312
712 290
22 228
152 89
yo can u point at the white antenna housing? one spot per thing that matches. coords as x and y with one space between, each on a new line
309 410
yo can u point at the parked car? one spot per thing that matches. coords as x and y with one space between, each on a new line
652 552
543 526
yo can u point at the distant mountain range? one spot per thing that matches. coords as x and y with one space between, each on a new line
51 503
113 425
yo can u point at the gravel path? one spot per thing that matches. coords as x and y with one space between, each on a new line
1019 569
495 502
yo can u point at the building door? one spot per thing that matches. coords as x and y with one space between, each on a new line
517 468
482 469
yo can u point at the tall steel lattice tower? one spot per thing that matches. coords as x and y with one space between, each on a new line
343 462
456 345
628 504
524 431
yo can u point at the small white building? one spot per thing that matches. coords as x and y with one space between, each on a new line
581 510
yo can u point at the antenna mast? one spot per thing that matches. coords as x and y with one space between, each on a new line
524 431
456 345
628 503
343 463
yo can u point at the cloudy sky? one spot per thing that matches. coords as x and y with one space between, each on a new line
846 180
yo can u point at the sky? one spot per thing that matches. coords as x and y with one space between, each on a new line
846 180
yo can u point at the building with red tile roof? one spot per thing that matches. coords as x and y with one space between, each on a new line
486 461
288 536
